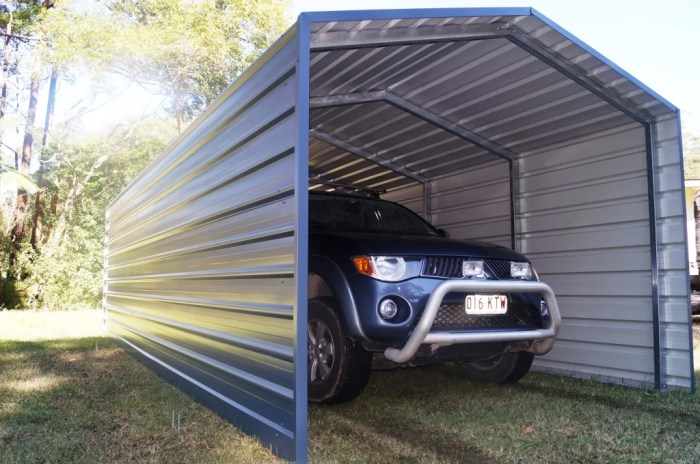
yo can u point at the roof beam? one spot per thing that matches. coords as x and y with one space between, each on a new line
369 156
449 126
577 75
417 111
346 99
325 41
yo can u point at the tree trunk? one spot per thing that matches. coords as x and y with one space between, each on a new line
5 69
40 203
21 208
52 211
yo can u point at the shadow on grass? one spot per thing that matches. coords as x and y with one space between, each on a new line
665 406
433 415
48 406
86 400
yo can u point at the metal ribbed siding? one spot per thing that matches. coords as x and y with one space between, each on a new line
585 225
674 318
200 275
474 204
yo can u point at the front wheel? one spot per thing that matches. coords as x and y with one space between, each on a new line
502 369
339 367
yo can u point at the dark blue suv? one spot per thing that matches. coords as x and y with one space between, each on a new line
388 289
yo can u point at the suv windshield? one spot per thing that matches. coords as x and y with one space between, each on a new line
364 215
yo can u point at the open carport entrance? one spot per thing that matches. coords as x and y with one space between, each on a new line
498 125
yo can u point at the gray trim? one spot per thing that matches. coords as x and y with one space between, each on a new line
650 141
402 36
301 261
531 46
427 206
514 204
362 153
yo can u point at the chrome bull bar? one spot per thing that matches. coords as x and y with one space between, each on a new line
543 339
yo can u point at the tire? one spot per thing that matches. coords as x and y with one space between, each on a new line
504 369
339 367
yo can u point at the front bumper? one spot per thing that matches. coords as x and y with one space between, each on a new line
542 339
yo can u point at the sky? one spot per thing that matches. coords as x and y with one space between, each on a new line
657 42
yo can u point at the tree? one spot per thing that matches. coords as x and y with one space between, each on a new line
31 14
187 51
691 156
67 272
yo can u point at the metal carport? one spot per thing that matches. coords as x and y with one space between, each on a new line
495 124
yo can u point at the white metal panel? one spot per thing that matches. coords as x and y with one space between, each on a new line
585 225
412 197
474 204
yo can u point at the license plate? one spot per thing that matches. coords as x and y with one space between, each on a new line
486 304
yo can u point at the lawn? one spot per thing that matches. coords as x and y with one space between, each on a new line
68 394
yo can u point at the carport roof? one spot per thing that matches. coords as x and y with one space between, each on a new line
404 96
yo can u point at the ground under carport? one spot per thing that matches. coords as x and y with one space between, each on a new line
67 392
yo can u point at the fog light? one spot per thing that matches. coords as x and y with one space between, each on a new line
544 310
473 268
388 309
520 270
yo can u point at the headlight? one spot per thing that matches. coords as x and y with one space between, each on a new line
388 268
520 270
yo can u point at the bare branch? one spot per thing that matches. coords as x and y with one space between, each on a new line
17 36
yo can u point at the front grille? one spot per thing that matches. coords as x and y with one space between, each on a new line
498 268
450 267
453 316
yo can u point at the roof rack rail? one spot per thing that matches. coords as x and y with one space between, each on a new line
347 188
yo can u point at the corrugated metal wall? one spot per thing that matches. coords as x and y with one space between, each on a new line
584 222
674 315
471 204
585 225
584 219
474 204
200 275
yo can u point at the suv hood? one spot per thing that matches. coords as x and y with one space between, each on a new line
362 243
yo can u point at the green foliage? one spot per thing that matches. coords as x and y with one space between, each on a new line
185 50
68 271
691 156
20 14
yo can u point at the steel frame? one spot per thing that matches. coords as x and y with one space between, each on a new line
377 38
340 40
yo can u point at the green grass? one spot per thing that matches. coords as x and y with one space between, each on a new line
432 415
84 400
80 398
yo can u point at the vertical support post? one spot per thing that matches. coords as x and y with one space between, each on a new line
427 206
301 265
659 364
514 208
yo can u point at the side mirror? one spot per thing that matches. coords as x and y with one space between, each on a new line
443 233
